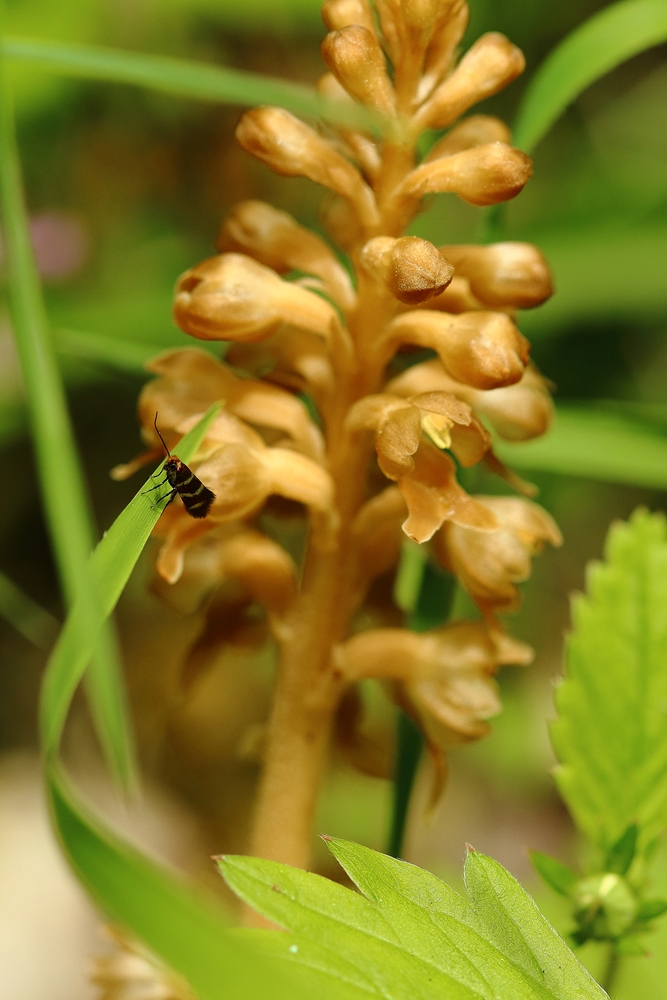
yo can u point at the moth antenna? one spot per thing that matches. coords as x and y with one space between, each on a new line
160 436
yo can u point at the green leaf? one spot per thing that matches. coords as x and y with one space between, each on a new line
109 569
602 42
27 616
605 272
410 935
558 876
595 445
187 930
621 854
180 77
650 909
610 735
61 479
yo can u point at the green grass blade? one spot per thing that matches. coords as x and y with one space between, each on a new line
27 616
604 41
63 491
595 444
109 569
186 930
610 735
116 352
179 77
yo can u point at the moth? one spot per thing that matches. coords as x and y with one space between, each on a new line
196 497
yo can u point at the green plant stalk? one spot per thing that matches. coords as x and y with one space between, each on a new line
609 977
431 606
61 480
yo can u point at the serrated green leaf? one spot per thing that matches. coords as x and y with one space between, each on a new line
595 445
179 77
621 854
610 735
110 566
188 930
512 921
558 876
602 42
410 935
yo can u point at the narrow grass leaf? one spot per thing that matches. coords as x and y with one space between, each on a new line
61 479
116 352
606 40
28 617
595 444
610 735
409 935
180 77
109 569
185 929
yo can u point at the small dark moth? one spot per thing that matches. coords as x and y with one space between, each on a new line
196 497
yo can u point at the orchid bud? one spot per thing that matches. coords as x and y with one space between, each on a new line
484 175
275 239
341 223
291 148
491 64
481 349
354 56
518 412
338 14
504 274
412 269
389 16
478 130
232 297
490 564
442 49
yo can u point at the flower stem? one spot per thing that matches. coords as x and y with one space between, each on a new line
612 967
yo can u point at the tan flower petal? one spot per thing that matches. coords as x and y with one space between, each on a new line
275 239
483 175
233 297
482 349
190 381
242 477
503 274
490 564
488 66
293 358
518 412
478 130
377 538
433 496
291 148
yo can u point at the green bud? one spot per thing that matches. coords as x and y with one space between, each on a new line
605 906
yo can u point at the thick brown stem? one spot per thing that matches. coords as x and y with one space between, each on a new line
308 684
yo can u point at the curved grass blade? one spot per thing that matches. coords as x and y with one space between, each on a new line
61 479
595 444
180 77
109 569
187 930
601 43
27 616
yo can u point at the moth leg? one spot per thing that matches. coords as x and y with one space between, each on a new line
150 490
170 497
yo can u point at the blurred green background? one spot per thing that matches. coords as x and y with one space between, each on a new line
126 189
